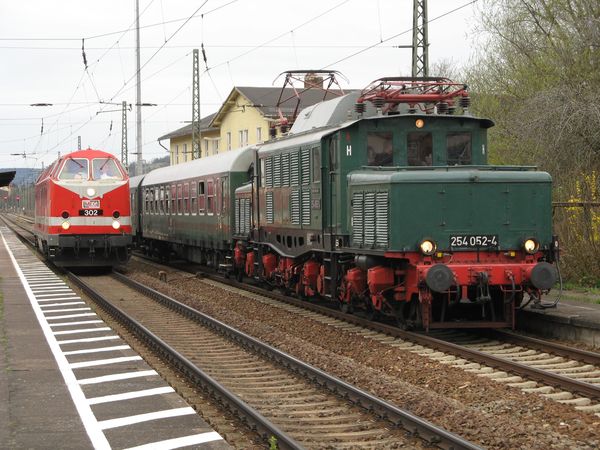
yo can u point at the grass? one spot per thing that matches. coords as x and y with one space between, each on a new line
581 293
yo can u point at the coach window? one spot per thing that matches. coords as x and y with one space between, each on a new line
167 200
379 149
419 149
179 199
210 197
156 202
161 200
458 146
74 169
173 199
146 198
151 201
201 199
186 198
193 198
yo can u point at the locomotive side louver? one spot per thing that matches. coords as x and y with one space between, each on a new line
306 207
238 214
305 166
357 218
295 169
295 207
270 208
285 169
370 219
245 216
268 172
277 171
381 220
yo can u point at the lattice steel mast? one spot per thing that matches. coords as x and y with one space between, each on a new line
196 147
420 40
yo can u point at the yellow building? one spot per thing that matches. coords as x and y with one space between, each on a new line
246 117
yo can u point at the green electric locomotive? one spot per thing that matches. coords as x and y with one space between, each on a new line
381 201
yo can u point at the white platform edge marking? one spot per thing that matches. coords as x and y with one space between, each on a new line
130 395
93 339
92 427
103 362
139 418
180 442
119 376
68 324
98 350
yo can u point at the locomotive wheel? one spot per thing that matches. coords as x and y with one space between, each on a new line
346 308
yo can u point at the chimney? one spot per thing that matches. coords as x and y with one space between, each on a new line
312 80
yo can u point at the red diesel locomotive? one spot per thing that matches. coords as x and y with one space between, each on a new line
82 210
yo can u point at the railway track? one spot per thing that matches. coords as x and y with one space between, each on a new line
277 394
557 372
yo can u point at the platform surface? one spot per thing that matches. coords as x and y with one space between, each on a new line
69 381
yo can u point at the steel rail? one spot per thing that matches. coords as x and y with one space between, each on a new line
414 424
549 378
545 346
256 421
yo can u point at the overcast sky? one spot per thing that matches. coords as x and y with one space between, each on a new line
247 43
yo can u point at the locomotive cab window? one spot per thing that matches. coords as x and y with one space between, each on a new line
74 169
105 169
379 149
458 147
419 149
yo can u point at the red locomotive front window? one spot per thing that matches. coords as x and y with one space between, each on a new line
74 169
106 169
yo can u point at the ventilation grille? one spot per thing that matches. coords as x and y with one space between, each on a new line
294 169
370 219
242 216
305 166
285 169
306 207
268 172
277 171
270 208
295 207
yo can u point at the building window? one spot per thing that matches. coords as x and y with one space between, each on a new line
177 154
185 153
243 138
258 135
215 146
229 140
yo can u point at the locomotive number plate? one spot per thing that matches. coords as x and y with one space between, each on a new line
90 212
474 241
90 204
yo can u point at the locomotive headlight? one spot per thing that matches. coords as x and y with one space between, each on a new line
66 225
428 247
90 192
419 123
531 246
116 224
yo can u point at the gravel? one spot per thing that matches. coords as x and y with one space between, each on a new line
486 412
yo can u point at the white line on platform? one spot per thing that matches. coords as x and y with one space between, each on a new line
92 427
104 362
79 322
50 291
68 316
53 299
185 441
98 350
54 294
42 283
119 377
123 421
93 339
46 311
61 304
130 395
87 308
86 330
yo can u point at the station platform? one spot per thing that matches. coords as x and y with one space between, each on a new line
68 381
575 318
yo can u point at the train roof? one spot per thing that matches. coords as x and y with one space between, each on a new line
134 182
449 174
232 161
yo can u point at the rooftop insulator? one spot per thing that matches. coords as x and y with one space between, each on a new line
412 109
284 128
379 102
442 108
451 109
360 108
465 102
273 132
